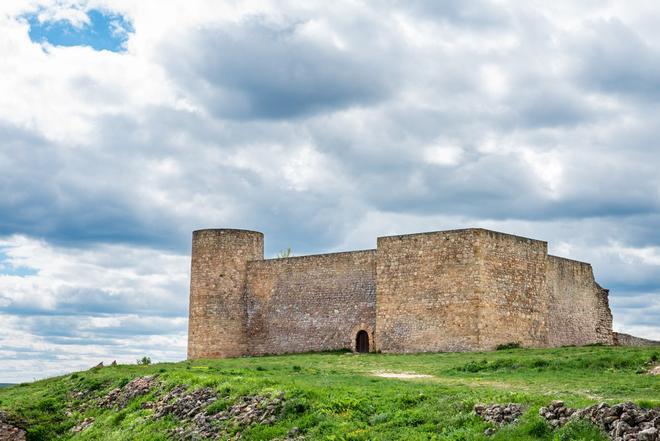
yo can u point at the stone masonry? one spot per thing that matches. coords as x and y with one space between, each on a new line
459 290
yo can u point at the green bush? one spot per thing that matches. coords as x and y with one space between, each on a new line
579 431
510 345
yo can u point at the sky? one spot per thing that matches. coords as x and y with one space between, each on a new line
126 125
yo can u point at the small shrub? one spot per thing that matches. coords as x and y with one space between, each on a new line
540 363
217 407
580 430
510 345
118 418
144 361
379 418
648 404
296 406
296 368
47 405
538 428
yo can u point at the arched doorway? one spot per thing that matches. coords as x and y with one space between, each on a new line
362 342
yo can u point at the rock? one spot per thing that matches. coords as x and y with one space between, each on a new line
196 423
490 431
84 424
9 430
650 434
120 397
98 366
114 363
624 421
499 413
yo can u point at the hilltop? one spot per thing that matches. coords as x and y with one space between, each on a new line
337 396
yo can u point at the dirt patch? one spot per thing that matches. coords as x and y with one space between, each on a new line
655 370
401 375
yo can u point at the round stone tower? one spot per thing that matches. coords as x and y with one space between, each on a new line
217 315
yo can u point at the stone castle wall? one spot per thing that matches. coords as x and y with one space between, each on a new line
460 290
310 303
513 290
426 292
578 308
216 321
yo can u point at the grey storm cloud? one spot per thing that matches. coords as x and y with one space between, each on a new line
257 69
615 59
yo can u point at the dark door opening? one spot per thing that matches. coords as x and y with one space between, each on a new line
362 342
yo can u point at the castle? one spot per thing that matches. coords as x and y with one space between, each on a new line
459 290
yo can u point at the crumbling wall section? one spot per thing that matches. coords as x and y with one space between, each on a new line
578 312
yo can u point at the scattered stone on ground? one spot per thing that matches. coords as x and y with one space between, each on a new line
120 397
622 422
257 409
402 375
557 414
499 414
9 431
84 424
190 409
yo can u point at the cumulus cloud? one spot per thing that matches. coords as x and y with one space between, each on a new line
321 125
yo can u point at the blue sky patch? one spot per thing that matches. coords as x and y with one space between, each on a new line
105 31
7 269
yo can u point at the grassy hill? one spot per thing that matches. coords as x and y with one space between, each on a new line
335 396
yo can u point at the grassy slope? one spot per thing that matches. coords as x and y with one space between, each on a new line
333 396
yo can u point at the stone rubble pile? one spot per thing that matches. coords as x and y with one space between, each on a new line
120 397
622 422
556 414
191 409
8 431
499 414
184 405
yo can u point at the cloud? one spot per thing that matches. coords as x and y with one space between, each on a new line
323 126
263 69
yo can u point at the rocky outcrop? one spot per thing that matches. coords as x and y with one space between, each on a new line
9 431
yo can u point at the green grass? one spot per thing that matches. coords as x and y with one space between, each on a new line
334 396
